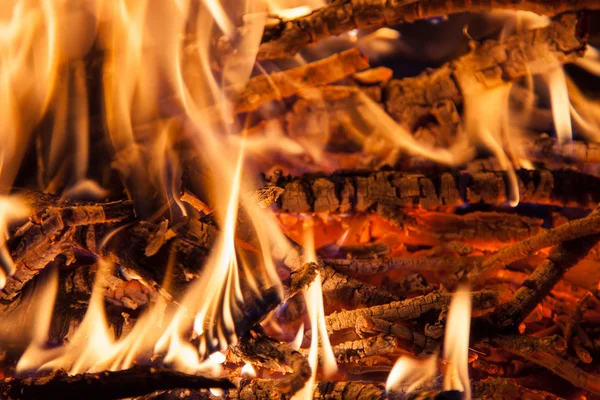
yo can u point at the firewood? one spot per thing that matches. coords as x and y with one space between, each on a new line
355 350
105 385
541 147
587 226
490 65
403 310
265 88
346 191
50 232
501 388
255 347
549 353
285 38
418 264
541 281
418 343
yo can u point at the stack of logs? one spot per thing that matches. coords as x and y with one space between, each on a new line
411 236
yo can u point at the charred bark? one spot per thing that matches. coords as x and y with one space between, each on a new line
286 37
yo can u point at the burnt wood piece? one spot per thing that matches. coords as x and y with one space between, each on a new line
419 344
403 310
541 281
285 37
509 389
339 287
544 148
573 230
256 348
262 89
548 352
355 191
356 350
50 232
374 266
105 385
490 65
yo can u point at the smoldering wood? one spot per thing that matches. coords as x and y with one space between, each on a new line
356 350
265 88
549 353
357 191
541 281
404 310
419 344
489 65
284 38
105 385
579 228
419 264
51 231
258 349
494 388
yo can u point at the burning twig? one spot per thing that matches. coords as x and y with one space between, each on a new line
547 353
404 310
541 281
287 37
587 226
105 385
265 88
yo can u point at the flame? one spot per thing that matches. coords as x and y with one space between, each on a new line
12 208
409 374
248 371
559 98
319 341
456 343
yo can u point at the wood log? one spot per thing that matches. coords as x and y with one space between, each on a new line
105 385
541 281
490 65
284 38
51 231
403 310
549 353
356 350
576 229
255 347
356 191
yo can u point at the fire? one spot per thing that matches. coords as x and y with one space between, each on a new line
456 343
12 208
319 341
410 374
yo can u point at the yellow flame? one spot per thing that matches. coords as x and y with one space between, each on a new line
456 343
559 98
248 371
409 373
319 341
12 208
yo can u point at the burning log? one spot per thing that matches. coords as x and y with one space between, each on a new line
356 350
105 385
258 349
587 226
549 353
51 231
418 343
541 281
265 88
346 191
403 310
490 65
286 37
493 388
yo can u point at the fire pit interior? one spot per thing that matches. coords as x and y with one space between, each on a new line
299 199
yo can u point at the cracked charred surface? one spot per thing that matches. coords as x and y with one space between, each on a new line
347 191
285 38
